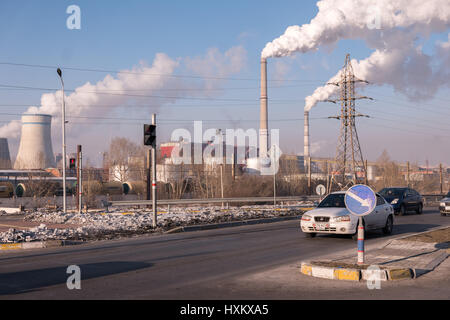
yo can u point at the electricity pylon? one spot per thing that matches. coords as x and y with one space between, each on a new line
349 159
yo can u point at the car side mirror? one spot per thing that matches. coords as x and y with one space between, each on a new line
316 204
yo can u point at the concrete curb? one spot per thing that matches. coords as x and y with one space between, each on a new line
229 224
37 245
351 274
414 234
387 274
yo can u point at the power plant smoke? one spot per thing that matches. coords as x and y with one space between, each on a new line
153 85
395 30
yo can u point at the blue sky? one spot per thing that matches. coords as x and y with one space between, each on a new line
117 35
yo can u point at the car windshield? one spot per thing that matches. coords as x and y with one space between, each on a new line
392 193
333 201
448 195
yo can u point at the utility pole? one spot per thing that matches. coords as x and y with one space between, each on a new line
79 178
407 173
221 182
309 175
149 175
63 124
150 140
274 177
222 155
366 170
154 202
349 156
440 176
233 165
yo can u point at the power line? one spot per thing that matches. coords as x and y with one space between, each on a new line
406 116
135 95
180 89
406 130
409 106
172 120
148 74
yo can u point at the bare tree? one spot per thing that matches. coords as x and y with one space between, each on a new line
118 158
389 172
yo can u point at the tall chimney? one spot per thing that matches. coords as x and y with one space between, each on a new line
263 124
306 154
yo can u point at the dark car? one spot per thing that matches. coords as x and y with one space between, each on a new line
444 205
403 199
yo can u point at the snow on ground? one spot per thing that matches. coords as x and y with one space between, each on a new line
95 225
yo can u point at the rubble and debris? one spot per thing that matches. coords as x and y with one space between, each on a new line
117 223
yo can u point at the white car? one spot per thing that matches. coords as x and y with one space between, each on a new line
332 217
444 205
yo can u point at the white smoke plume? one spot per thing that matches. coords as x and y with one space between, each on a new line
142 80
393 29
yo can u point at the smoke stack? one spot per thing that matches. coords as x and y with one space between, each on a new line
306 139
35 150
5 159
263 125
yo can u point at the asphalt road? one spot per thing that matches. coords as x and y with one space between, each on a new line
196 265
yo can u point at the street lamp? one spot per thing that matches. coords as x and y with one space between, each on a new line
63 123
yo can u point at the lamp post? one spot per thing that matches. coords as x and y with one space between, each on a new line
63 123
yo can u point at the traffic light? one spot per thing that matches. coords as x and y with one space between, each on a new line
150 135
72 163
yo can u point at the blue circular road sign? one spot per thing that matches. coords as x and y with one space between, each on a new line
360 200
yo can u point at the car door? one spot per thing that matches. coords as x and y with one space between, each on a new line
371 220
417 199
408 200
381 212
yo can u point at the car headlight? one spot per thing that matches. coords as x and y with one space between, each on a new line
341 219
394 201
305 217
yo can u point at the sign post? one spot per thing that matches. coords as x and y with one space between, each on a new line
360 201
321 190
150 140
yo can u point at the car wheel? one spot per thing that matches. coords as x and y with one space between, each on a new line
402 211
310 235
420 209
389 225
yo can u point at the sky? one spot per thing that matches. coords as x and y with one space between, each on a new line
203 63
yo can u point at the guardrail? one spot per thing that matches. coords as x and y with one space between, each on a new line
223 201
429 199
432 199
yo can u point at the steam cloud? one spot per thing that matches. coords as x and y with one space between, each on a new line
142 80
393 29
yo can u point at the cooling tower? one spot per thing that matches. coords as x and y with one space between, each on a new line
35 150
5 159
263 125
